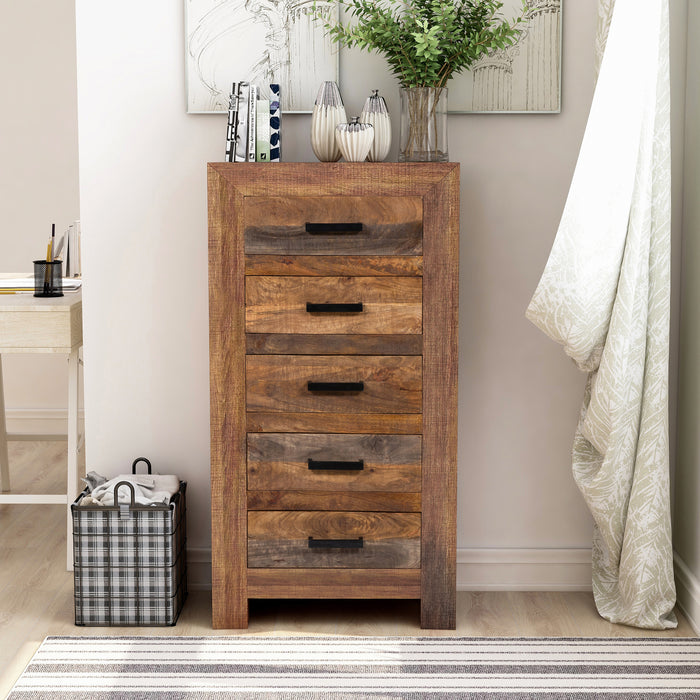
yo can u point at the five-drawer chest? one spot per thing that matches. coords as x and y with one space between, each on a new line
333 291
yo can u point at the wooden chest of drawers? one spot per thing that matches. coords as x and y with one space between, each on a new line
333 294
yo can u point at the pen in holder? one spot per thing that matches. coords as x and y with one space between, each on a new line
48 278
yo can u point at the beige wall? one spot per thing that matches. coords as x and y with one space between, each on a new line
38 168
687 483
143 208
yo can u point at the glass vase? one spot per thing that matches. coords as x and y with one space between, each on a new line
423 127
329 111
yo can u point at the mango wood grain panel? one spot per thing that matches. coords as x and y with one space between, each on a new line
303 524
334 500
278 304
227 406
436 184
329 179
280 461
281 539
280 383
277 225
362 265
397 423
339 583
386 553
440 333
333 344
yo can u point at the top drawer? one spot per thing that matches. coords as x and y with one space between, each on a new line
333 225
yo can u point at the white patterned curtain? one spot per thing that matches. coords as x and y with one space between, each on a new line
605 296
605 10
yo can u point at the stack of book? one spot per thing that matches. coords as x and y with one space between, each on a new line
10 284
253 129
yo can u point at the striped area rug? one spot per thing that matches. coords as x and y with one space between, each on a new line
312 668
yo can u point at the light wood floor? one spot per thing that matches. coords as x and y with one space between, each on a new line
36 592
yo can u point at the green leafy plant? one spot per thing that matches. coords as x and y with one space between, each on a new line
425 42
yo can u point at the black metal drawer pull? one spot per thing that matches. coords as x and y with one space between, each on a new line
339 465
334 228
335 386
336 544
333 308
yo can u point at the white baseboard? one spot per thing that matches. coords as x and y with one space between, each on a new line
33 421
523 569
687 592
199 568
477 569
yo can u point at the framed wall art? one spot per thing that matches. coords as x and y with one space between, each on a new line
525 77
260 41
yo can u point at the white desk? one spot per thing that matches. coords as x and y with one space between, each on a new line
31 324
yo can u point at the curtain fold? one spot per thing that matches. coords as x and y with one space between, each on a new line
605 11
605 296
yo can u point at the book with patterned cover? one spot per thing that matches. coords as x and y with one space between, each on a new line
275 124
241 149
231 124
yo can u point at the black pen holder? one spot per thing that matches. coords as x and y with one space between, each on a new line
48 278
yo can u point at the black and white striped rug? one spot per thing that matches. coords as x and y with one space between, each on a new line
312 668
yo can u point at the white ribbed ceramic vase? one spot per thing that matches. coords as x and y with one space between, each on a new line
375 113
354 140
329 111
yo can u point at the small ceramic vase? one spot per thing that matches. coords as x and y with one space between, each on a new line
354 140
375 113
329 111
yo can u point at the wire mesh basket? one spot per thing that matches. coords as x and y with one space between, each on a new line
129 560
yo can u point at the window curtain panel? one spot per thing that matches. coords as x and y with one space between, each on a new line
605 10
605 296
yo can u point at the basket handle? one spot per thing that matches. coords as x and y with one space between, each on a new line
124 509
136 461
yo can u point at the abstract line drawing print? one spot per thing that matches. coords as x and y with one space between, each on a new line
525 77
261 41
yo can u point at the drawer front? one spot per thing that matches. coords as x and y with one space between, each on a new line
333 305
57 330
317 539
317 462
334 384
333 225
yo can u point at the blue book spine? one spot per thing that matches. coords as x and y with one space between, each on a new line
275 124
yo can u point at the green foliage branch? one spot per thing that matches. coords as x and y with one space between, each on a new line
425 42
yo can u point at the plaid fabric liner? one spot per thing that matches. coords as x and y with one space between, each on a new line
149 536
105 612
127 550
125 581
131 569
143 520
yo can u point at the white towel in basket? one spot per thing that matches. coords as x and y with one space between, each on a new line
148 489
